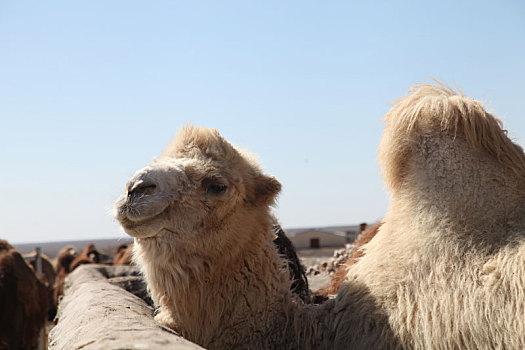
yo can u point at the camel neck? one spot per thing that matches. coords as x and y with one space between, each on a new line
224 303
213 310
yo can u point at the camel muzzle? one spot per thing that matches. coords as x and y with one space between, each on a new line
141 201
141 188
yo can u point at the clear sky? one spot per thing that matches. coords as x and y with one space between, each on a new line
90 91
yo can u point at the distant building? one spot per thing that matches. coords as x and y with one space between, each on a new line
333 237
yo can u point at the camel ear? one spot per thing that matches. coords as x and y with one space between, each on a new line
265 189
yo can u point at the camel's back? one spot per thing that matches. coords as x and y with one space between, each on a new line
447 269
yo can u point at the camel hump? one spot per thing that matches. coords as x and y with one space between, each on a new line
436 111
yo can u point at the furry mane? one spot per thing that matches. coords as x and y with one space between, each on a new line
196 142
431 109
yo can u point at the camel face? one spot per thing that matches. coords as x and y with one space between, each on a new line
200 183
174 197
142 209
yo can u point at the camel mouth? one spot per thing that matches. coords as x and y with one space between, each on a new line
131 213
139 209
144 229
139 218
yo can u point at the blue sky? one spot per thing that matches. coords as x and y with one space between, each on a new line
90 91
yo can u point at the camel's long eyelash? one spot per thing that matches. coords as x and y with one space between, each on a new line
216 188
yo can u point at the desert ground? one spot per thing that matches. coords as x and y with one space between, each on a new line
313 257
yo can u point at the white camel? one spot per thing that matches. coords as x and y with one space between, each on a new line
445 271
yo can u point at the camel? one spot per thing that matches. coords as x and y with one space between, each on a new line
64 258
68 260
63 261
123 255
287 251
48 271
445 270
24 300
90 255
48 278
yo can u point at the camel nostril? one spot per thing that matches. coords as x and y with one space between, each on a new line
141 188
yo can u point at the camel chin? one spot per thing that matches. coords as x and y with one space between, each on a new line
148 229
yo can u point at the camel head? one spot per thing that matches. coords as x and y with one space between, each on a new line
200 187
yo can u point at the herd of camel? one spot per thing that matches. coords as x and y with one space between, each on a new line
28 299
445 268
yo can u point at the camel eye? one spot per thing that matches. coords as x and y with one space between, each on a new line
216 188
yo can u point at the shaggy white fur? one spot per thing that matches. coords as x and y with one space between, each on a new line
448 265
445 271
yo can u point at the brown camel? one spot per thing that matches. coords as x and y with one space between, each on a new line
24 301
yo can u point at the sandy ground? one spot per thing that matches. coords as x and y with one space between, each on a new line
310 257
